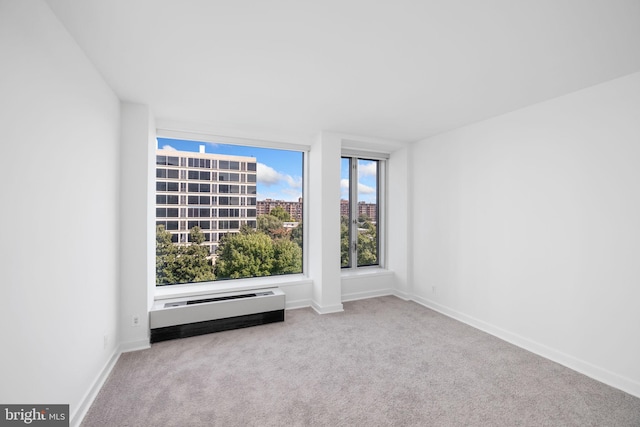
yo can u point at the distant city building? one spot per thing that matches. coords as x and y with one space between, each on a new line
294 209
367 209
344 207
212 191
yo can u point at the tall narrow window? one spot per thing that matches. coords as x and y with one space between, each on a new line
360 211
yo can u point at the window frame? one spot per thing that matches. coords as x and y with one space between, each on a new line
250 282
381 223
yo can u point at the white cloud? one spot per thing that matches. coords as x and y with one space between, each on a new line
293 182
365 189
168 147
367 169
362 188
269 176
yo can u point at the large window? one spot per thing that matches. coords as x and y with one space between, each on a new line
251 196
360 211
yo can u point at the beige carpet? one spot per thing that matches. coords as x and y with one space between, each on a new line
382 362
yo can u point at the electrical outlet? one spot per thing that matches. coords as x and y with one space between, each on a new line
135 320
105 341
434 289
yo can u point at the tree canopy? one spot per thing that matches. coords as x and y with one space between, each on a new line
182 263
344 241
244 255
271 225
256 254
367 248
268 250
281 214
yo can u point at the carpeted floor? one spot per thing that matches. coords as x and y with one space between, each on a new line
382 362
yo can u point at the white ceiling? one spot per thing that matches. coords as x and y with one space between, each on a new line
401 69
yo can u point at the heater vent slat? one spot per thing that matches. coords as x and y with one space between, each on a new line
200 301
214 299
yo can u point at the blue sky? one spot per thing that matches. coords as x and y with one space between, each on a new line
367 173
279 171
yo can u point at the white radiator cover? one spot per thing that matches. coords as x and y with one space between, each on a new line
178 311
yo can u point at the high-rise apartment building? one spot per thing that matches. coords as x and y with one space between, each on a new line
292 208
367 209
344 207
215 192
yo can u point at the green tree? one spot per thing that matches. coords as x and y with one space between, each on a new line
281 214
344 241
194 264
244 255
367 241
246 229
287 257
364 222
182 264
270 225
196 237
296 235
166 255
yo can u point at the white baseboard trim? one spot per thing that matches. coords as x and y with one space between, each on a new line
301 303
337 308
354 296
401 294
76 417
597 373
126 347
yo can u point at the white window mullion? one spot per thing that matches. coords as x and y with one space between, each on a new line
353 211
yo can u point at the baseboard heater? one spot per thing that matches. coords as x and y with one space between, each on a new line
203 314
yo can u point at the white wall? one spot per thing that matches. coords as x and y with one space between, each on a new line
398 220
60 140
324 220
137 224
528 225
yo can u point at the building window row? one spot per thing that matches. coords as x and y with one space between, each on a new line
201 200
168 173
194 187
205 163
201 163
205 225
167 199
174 199
186 238
200 175
205 213
229 176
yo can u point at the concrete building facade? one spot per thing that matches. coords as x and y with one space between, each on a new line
212 191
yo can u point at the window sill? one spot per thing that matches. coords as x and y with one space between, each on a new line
364 272
189 289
